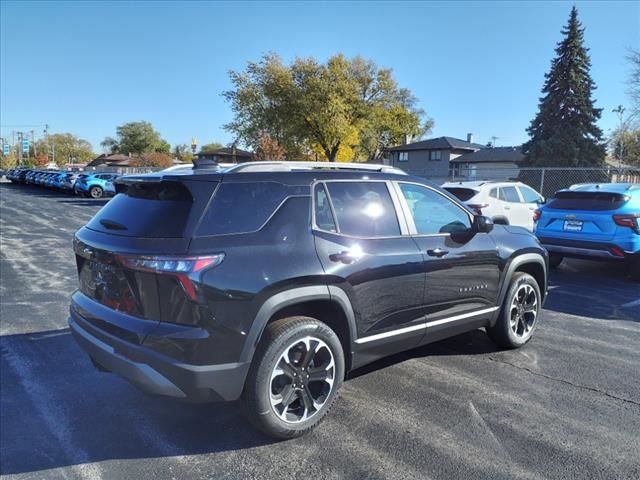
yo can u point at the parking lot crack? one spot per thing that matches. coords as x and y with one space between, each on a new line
566 382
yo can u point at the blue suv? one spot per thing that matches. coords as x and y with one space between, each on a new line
593 221
95 185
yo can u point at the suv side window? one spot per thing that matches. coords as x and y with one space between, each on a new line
433 213
364 209
509 194
529 195
324 215
242 207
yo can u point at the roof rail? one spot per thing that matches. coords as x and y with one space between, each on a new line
293 166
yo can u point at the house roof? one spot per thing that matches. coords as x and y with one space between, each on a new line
495 154
439 143
116 159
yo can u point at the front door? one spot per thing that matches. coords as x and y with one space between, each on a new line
462 268
365 251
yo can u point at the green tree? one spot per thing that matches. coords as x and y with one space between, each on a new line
633 82
344 107
66 147
136 138
564 131
211 147
8 161
625 146
183 153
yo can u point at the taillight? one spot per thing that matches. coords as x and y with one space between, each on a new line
179 267
617 251
536 215
477 207
630 220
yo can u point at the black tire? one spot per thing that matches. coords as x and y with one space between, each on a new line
261 387
555 259
96 192
513 333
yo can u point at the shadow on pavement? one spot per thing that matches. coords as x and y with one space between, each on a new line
599 290
470 343
57 411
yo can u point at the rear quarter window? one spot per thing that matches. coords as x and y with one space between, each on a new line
242 207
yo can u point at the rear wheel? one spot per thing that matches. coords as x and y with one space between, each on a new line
96 192
295 377
555 259
520 312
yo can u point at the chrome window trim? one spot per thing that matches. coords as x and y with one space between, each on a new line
424 325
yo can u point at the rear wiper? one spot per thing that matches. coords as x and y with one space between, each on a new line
111 225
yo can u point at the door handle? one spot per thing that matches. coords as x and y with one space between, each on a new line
344 257
437 252
507 208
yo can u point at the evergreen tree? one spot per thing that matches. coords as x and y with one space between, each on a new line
564 131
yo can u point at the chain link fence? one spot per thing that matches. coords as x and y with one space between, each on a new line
549 180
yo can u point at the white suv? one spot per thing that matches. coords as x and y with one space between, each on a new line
507 203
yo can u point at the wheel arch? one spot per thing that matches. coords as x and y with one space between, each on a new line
327 304
535 265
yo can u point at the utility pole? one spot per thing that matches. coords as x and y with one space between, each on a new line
33 142
20 137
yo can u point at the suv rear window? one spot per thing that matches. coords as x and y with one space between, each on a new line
587 201
146 210
463 194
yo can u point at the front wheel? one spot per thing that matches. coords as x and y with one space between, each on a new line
520 313
295 377
96 192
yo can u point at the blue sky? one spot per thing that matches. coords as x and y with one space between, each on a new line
86 67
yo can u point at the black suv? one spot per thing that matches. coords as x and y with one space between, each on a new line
270 281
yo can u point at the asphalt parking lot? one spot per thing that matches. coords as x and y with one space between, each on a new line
565 406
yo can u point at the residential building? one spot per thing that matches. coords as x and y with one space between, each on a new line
431 158
443 158
491 163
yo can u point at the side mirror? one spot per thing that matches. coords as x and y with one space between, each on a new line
482 224
541 201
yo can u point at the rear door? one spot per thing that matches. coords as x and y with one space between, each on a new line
532 200
516 212
364 250
462 268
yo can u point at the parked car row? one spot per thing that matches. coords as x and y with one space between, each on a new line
94 185
589 221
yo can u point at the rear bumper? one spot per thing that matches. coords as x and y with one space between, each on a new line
584 249
155 373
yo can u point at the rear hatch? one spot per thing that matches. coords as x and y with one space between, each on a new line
581 215
131 257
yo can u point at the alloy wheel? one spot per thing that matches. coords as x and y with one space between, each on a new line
96 192
302 380
523 311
